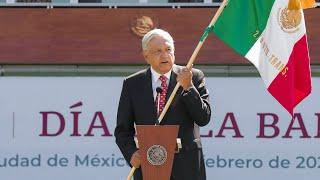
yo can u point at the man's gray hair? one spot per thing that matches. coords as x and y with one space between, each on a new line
156 32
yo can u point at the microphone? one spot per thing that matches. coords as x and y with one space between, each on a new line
159 91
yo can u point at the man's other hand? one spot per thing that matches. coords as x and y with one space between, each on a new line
135 159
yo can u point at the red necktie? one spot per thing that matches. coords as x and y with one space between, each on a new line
163 94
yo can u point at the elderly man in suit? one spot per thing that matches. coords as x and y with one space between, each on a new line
190 107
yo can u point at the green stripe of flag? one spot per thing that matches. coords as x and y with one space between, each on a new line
242 22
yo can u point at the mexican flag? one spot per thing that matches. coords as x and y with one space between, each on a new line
273 38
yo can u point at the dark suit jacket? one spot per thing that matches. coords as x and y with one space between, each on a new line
136 106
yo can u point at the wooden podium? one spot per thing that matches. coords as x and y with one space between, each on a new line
157 147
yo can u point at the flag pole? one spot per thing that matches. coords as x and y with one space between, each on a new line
189 65
131 173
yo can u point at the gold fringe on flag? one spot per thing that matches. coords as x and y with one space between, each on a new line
301 4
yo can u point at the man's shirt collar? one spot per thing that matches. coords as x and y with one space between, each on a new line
155 75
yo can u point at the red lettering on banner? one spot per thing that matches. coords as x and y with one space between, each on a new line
210 134
318 131
61 121
268 127
103 126
235 127
272 125
75 124
301 127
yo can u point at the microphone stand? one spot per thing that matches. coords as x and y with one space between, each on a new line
159 91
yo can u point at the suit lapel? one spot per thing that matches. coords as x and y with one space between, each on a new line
172 82
148 94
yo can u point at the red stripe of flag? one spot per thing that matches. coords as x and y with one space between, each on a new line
292 87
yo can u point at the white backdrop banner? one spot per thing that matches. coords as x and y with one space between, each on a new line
62 128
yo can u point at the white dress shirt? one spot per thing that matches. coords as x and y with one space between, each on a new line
156 81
